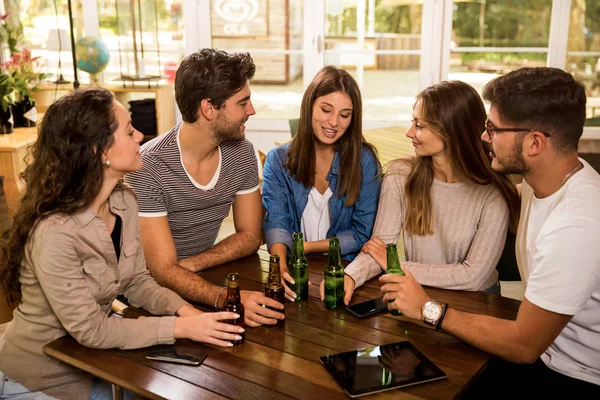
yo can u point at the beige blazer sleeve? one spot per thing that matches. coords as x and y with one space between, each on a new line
61 277
143 291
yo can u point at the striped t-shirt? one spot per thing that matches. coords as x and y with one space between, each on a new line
195 212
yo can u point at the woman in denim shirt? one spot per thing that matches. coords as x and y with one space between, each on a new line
326 181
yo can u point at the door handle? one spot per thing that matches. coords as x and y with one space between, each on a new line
319 44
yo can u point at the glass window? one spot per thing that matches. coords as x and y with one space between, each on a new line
493 37
583 52
272 32
158 44
46 32
381 50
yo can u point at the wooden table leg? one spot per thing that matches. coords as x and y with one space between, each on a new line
9 167
117 392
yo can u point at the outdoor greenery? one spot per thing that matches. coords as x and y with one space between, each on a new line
486 23
108 18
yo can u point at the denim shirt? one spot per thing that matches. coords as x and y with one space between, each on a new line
285 199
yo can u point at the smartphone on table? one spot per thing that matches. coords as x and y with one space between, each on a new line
366 308
168 353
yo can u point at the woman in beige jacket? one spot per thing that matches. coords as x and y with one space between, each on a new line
74 245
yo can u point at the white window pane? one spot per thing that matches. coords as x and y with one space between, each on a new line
491 38
273 35
382 52
583 52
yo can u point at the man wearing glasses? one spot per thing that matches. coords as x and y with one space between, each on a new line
534 125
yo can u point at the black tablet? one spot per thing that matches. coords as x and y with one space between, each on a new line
379 368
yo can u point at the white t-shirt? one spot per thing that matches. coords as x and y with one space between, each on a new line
558 252
315 218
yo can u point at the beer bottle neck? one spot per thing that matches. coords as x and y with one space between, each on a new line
333 257
393 263
274 279
233 295
298 249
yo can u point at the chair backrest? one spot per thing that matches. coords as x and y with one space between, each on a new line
507 267
293 125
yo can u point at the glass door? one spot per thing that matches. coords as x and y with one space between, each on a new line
379 43
492 37
583 54
272 32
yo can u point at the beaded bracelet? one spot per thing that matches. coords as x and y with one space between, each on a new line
217 299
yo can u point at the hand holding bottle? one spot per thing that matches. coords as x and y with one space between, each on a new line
209 328
349 286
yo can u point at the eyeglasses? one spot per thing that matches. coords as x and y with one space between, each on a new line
492 130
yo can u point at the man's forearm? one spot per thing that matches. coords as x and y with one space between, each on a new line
493 335
187 284
233 247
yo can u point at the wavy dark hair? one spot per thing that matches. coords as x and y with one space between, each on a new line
65 174
301 160
454 111
210 74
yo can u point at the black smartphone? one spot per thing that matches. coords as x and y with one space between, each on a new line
169 354
366 308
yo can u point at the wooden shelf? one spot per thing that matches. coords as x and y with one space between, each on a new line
161 92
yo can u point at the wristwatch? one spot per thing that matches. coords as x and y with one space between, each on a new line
432 313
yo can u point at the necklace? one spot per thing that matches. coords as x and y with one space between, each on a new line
571 173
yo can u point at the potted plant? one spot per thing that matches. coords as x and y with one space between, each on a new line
6 89
21 69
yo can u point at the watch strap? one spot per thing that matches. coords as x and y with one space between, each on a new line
438 323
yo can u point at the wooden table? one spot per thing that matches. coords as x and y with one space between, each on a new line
13 150
283 361
391 143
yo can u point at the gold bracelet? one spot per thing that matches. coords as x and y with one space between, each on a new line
217 299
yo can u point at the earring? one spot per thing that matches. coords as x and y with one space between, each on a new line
107 163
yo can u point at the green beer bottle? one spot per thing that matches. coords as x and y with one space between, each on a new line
334 276
393 266
298 267
274 289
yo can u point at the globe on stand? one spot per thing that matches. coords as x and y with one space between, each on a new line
92 56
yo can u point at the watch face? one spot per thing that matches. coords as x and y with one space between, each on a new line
432 311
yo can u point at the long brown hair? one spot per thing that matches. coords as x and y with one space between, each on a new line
454 111
301 160
65 175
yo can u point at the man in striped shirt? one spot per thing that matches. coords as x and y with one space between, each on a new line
193 175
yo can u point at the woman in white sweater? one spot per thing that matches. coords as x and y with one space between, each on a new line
451 207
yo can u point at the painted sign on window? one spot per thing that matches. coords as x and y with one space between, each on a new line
239 17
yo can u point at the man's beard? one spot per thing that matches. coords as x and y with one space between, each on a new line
225 131
516 164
